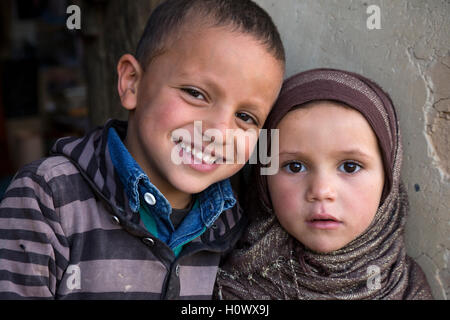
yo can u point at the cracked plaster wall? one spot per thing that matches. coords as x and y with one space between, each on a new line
410 58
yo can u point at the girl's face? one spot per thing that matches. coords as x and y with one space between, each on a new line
331 176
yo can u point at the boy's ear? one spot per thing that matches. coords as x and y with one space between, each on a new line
129 74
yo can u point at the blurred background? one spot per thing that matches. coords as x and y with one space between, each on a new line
42 83
57 82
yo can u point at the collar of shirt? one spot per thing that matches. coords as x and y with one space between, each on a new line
211 202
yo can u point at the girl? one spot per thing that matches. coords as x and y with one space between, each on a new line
330 223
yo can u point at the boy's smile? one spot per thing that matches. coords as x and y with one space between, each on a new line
223 78
331 176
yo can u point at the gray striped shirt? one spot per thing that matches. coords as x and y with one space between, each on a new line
66 232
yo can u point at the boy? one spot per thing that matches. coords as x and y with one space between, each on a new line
111 215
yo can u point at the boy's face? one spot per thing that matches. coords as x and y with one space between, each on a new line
331 176
225 80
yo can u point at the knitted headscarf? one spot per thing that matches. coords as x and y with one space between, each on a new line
270 264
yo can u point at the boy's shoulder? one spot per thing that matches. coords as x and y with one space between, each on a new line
48 168
54 180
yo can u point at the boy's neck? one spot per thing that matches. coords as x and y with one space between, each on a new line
177 200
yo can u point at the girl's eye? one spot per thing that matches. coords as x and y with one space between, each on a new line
245 117
349 167
294 167
194 93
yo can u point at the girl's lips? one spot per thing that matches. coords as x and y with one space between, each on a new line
324 224
323 221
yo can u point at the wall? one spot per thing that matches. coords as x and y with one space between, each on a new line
410 58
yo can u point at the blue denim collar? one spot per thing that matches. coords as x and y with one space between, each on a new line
212 201
133 178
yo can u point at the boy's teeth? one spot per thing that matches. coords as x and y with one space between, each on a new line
198 154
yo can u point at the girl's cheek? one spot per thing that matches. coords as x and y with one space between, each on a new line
277 188
284 196
363 208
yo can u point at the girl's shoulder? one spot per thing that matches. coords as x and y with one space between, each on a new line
418 288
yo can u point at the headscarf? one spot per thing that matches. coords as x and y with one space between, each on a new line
271 264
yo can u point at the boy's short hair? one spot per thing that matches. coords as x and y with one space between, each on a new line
243 15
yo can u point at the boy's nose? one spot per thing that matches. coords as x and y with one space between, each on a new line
218 122
320 188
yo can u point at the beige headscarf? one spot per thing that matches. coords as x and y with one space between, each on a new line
270 264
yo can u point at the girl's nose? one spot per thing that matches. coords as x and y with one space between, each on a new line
320 188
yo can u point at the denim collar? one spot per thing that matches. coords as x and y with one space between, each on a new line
212 201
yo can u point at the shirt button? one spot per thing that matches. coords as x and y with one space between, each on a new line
177 270
148 241
149 198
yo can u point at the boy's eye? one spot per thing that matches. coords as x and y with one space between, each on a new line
294 167
194 93
349 167
245 117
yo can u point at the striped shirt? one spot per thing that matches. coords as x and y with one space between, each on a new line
67 232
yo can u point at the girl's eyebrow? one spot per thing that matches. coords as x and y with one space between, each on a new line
297 153
354 152
290 153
